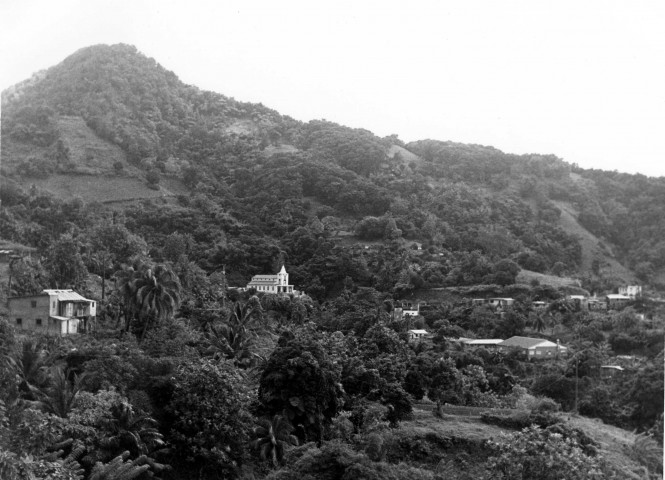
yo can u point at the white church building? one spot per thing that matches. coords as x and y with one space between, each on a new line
272 283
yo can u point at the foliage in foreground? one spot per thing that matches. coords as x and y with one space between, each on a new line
542 454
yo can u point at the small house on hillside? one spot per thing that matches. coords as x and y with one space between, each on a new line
632 291
483 342
595 303
415 335
616 301
533 347
410 309
55 312
501 302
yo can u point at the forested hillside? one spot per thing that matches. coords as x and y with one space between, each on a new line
155 198
282 185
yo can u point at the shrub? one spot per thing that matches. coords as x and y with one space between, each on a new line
152 177
520 420
542 454
210 423
545 404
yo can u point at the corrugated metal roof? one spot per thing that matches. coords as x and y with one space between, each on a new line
484 341
67 296
524 342
418 332
528 342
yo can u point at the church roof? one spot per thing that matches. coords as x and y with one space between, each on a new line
264 280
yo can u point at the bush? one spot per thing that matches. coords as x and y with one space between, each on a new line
542 454
544 404
520 420
152 177
210 423
515 421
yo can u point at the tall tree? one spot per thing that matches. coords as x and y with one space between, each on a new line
301 380
65 263
235 339
272 437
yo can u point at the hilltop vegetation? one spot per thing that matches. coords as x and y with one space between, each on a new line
154 197
455 199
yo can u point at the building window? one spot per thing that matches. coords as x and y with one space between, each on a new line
19 321
38 321
33 303
538 352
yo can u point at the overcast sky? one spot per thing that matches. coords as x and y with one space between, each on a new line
582 79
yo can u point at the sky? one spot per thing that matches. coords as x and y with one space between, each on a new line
583 80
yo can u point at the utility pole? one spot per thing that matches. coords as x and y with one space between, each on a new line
577 381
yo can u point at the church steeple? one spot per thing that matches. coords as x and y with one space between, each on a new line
283 277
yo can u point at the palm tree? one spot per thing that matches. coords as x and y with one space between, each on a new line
32 366
127 430
236 338
539 322
149 293
118 468
272 437
125 284
59 396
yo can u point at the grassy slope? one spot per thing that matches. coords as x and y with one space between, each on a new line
92 176
97 188
526 276
470 433
592 247
87 151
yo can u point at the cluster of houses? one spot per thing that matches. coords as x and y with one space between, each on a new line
611 301
533 348
65 312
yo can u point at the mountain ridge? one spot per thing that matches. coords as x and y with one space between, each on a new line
450 196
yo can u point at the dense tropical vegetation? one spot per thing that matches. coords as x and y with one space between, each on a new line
187 377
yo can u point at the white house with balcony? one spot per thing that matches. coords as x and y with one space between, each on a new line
54 312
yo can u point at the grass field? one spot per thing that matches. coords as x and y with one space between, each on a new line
89 153
591 246
95 188
527 276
